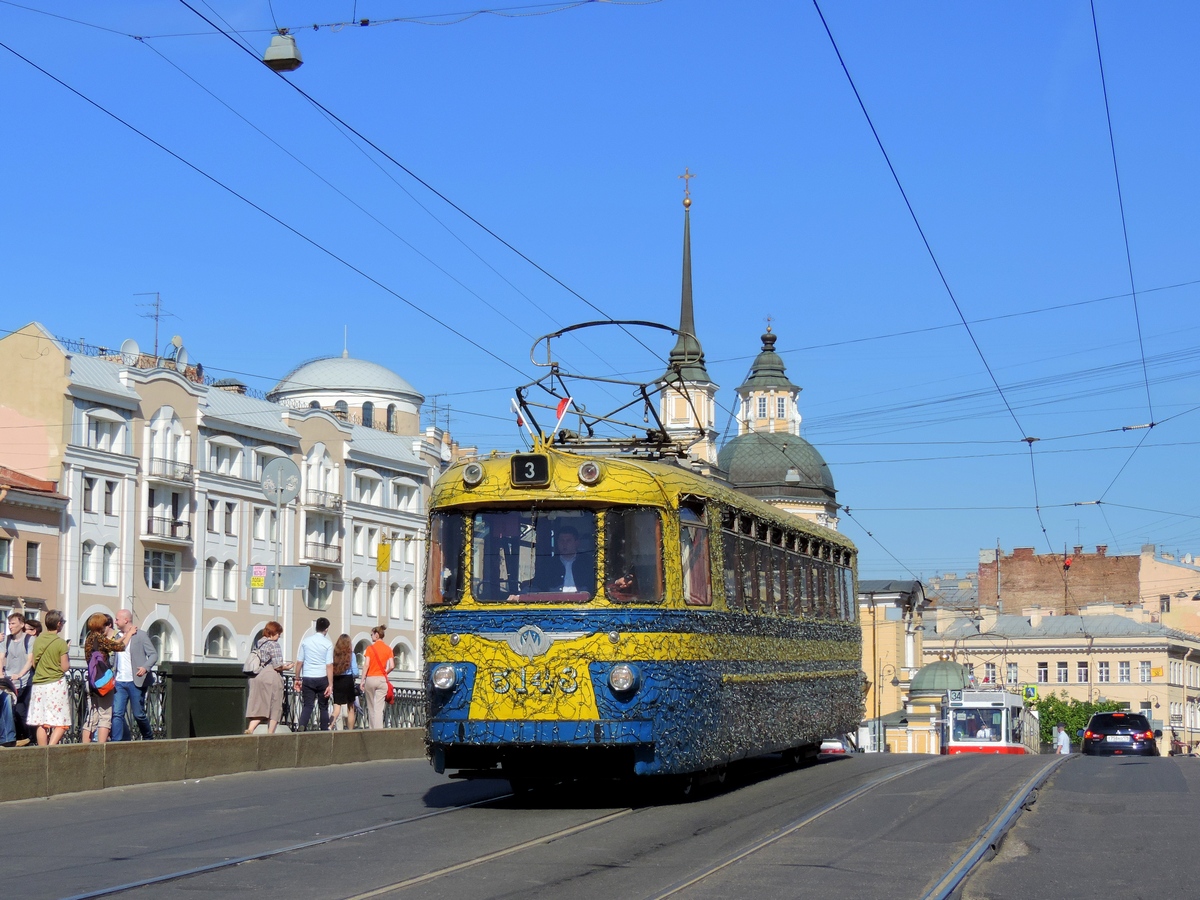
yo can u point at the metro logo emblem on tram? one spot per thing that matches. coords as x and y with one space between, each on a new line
530 641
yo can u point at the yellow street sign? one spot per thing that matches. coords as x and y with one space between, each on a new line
384 561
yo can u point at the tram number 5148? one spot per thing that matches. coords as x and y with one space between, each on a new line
535 680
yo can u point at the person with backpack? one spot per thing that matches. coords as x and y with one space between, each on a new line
98 647
18 666
265 703
50 705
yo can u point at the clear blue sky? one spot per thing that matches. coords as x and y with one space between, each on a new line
564 133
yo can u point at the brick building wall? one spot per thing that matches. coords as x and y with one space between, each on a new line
1031 579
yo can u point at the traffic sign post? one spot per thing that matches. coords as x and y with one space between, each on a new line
280 482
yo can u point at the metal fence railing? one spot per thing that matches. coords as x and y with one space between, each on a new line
406 711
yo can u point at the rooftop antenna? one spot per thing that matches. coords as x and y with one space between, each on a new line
157 315
345 342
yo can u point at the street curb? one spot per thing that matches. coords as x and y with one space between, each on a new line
31 772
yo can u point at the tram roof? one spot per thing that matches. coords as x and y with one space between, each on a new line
624 479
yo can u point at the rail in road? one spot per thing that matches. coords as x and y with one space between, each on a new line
826 825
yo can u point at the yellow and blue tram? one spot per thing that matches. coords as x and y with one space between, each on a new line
618 615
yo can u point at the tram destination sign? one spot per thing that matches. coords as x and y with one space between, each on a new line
530 470
956 698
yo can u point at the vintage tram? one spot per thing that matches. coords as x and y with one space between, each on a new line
591 616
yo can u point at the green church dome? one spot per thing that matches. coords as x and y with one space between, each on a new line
939 677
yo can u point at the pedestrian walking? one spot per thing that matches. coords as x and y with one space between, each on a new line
49 704
265 703
314 665
1062 740
98 647
345 680
377 663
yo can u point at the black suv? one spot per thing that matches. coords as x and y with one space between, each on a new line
1119 734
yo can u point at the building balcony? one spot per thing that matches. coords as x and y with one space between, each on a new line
318 552
169 470
168 529
326 500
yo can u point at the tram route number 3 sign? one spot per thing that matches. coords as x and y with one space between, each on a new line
530 470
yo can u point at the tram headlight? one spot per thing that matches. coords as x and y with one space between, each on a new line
623 678
444 677
589 472
472 474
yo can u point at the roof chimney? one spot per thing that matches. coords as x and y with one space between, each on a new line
1102 549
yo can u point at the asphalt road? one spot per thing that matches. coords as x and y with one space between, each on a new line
894 840
1102 827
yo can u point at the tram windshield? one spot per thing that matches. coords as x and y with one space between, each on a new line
981 725
534 555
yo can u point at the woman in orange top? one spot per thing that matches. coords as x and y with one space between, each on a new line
377 662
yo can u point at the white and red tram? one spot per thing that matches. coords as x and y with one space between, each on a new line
982 721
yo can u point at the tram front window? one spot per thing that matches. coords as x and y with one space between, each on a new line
542 555
977 724
633 555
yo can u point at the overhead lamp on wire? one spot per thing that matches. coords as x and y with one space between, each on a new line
283 55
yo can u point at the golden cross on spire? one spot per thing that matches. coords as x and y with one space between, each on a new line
687 176
769 320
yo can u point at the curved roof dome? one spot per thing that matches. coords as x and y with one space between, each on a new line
776 464
939 677
342 373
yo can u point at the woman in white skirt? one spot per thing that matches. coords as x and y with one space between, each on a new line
49 704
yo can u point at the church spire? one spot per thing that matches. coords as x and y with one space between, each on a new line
687 357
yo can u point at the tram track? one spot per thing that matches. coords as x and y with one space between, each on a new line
233 862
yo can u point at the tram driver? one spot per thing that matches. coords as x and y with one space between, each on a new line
570 570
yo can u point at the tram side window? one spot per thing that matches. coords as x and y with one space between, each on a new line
729 542
748 573
633 555
443 573
848 605
693 551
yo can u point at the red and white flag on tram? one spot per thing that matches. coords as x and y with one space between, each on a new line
562 407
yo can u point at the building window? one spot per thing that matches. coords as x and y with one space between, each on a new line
373 543
89 494
372 598
1043 673
229 582
110 565
104 433
410 601
110 498
357 597
162 570
211 520
359 547
1062 673
1102 672
219 643
781 407
391 418
230 518
258 517
1081 672
6 556
320 588
87 563
1123 675
211 591
403 659
1012 673
368 414
394 601
33 560
989 673
762 407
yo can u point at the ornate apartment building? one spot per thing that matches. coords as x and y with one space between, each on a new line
164 509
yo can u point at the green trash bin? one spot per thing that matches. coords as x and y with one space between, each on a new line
203 699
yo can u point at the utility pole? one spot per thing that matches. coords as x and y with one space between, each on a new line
157 315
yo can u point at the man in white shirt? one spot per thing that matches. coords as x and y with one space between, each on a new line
1062 740
314 665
